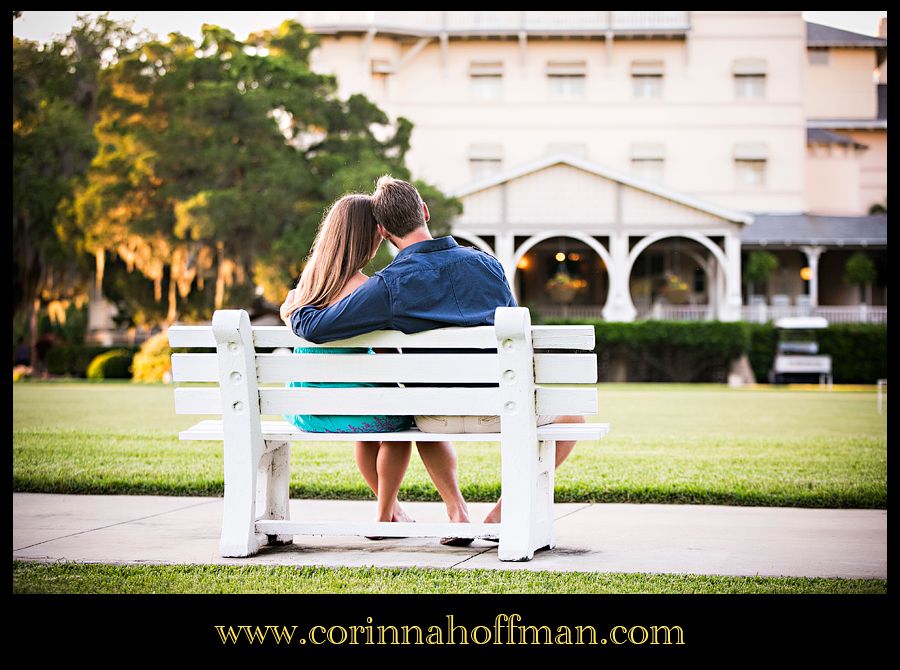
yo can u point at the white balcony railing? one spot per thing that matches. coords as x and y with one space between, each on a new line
500 21
754 313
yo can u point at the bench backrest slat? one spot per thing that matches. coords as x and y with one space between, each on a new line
477 337
394 401
417 368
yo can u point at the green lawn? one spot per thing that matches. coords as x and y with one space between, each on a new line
669 443
31 577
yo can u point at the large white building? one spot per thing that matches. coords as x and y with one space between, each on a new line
623 163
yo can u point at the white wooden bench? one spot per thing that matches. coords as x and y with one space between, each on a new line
257 452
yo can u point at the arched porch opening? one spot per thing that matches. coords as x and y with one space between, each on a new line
562 275
677 276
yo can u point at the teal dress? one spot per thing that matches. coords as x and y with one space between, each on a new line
337 423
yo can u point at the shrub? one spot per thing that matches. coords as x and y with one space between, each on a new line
114 364
73 360
702 351
153 362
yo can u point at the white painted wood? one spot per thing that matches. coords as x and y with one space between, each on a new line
476 337
392 401
397 401
281 431
277 504
424 368
386 529
544 493
243 444
414 368
565 368
518 433
257 453
563 337
192 336
561 401
195 368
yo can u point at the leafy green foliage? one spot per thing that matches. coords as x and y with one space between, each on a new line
72 360
154 359
114 364
858 352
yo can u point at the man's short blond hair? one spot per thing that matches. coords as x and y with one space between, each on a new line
397 206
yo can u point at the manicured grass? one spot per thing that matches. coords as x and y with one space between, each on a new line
669 444
31 577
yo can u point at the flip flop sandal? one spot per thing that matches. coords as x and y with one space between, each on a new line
456 541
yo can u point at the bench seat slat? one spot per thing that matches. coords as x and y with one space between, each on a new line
477 337
280 430
458 368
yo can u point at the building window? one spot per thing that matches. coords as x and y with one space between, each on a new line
817 55
485 159
647 79
750 78
650 169
647 85
648 161
750 172
750 159
486 79
566 85
487 86
484 167
566 79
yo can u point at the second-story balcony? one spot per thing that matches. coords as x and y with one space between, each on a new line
461 24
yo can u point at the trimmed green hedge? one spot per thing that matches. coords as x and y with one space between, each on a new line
115 364
73 360
702 351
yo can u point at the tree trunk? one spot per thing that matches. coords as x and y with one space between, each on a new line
173 300
32 334
220 276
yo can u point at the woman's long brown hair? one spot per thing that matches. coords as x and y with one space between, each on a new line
343 246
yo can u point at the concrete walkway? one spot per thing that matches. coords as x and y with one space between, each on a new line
699 539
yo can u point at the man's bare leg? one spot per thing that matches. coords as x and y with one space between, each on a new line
563 449
439 459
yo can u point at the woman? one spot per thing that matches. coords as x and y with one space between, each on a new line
345 243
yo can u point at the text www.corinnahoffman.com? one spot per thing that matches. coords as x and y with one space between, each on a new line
505 629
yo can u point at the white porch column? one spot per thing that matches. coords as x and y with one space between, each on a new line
619 306
505 251
730 307
812 258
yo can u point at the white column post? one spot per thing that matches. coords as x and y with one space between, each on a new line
244 444
730 308
812 258
504 247
519 449
619 306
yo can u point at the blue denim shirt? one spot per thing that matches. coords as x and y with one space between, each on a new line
430 284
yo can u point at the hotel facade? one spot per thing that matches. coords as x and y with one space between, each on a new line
624 165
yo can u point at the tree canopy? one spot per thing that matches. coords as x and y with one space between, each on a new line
195 175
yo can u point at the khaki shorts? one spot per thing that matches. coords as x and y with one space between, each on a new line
467 424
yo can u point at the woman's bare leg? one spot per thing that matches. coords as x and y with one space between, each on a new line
366 455
391 463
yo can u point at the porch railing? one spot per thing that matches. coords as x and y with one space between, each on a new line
754 313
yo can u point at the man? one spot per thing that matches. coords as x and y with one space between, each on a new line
432 283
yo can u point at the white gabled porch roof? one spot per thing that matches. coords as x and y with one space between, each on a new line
608 173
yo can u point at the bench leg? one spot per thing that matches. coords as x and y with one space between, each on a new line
239 515
518 501
278 488
544 493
